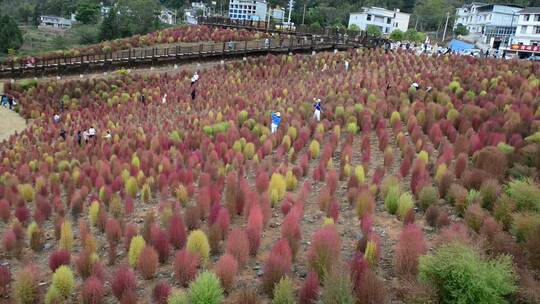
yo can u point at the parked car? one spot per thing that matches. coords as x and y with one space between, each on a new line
534 58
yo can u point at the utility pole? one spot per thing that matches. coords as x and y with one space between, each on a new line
416 23
445 26
304 14
291 3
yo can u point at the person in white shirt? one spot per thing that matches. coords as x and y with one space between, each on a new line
346 65
325 67
91 132
108 135
85 136
56 118
194 78
164 99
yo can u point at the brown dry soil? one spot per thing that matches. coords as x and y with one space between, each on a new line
10 123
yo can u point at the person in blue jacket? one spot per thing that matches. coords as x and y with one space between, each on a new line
317 107
276 120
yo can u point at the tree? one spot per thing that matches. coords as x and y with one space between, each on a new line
138 16
397 35
461 30
87 12
10 34
414 36
109 28
373 30
431 13
354 28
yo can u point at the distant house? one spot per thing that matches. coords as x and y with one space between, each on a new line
55 22
386 20
248 10
167 16
191 17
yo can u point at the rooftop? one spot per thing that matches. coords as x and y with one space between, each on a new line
530 10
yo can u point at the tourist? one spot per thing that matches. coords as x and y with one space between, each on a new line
193 94
63 134
164 99
267 42
92 132
56 118
415 86
143 99
346 65
317 107
4 100
194 78
325 67
11 102
79 137
276 120
108 135
85 136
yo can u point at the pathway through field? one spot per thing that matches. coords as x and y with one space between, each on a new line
10 123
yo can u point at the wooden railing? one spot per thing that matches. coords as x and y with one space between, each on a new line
164 54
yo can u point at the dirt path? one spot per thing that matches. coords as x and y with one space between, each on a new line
11 123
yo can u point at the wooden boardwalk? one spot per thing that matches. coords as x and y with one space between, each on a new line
283 43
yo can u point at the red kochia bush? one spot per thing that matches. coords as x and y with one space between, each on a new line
324 250
177 231
59 258
358 267
147 262
290 231
254 228
277 266
131 231
123 282
309 294
114 234
160 241
5 210
185 267
5 279
226 269
161 293
92 291
410 247
238 246
261 181
461 164
371 290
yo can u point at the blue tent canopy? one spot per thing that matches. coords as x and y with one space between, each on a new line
458 45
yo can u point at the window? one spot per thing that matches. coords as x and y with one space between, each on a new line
396 24
388 20
368 17
523 29
537 29
527 17
386 29
536 18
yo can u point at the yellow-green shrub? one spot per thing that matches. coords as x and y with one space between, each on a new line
66 236
290 181
53 296
93 212
27 192
63 281
115 206
315 149
135 161
371 253
286 142
328 221
423 156
197 242
292 132
249 150
131 187
352 128
395 117
277 188
146 193
135 247
441 170
182 194
405 204
360 174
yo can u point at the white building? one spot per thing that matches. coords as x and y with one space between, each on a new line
494 23
54 21
167 16
527 38
278 14
387 20
248 10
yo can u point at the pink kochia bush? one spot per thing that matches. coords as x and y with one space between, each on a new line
290 230
324 250
277 265
59 258
177 231
92 291
309 293
254 228
123 283
185 267
410 247
226 269
238 246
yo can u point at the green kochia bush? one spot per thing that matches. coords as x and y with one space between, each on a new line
206 289
526 194
460 275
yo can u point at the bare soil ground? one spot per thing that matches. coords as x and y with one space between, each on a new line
10 123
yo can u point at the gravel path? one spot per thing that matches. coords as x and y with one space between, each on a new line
10 123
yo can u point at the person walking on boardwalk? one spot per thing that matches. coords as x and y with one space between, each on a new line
164 99
346 66
276 120
317 107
